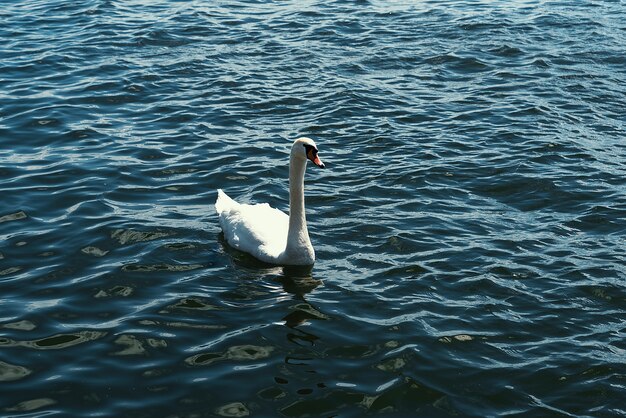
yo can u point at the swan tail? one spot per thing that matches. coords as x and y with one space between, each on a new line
223 202
229 217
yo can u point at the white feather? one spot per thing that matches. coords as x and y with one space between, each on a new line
259 229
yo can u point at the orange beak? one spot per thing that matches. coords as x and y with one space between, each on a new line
312 155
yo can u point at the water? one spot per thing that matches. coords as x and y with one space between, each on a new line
469 226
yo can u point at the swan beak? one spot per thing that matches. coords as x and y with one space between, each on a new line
312 155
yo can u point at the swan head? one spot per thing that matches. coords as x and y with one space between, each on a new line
305 148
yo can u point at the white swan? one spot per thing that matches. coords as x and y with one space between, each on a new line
267 233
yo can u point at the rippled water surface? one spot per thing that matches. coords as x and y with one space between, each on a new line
470 225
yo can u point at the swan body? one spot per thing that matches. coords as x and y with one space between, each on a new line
269 234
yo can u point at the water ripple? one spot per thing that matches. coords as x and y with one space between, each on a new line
469 226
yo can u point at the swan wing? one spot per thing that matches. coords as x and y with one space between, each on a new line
258 229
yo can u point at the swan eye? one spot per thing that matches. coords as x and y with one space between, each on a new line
311 154
310 150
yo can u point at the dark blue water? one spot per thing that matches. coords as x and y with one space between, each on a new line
470 225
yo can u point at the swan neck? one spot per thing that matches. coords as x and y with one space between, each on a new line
298 235
297 217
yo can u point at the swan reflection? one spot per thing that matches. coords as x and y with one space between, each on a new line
295 280
298 280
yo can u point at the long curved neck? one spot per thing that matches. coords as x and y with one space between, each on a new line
298 235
